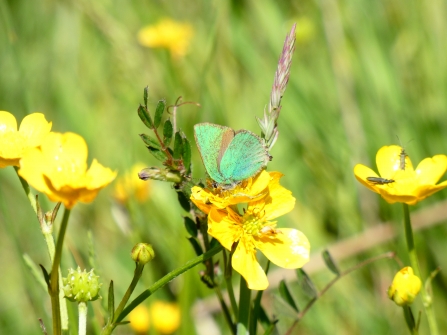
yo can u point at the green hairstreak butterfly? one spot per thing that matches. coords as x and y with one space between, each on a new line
230 156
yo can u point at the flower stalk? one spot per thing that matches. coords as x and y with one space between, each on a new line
82 311
415 265
54 276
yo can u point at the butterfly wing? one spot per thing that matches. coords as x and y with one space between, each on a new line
212 141
245 156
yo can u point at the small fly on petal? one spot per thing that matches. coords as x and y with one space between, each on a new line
379 181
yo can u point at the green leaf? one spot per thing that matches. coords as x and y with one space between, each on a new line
186 154
196 245
157 153
168 131
329 261
149 141
409 318
190 226
306 284
145 117
184 201
285 294
145 95
178 146
46 275
111 301
159 112
214 243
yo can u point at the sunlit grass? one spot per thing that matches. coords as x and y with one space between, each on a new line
366 73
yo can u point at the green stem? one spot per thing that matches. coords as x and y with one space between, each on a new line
244 308
415 265
225 310
228 275
54 277
27 190
159 284
47 231
82 311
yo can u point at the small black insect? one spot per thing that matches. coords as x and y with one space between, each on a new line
402 157
379 181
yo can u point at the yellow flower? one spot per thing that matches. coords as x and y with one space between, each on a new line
139 319
130 185
405 287
165 316
169 34
59 169
399 181
250 189
287 248
13 143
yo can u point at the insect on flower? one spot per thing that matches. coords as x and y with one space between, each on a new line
402 157
380 181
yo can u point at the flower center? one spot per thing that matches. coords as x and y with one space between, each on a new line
255 225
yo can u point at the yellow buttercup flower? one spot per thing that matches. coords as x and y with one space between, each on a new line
287 248
58 168
165 316
399 181
251 189
130 185
13 143
169 34
405 287
139 319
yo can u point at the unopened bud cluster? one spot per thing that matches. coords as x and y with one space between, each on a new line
81 286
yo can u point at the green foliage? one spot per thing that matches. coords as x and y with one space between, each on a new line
363 72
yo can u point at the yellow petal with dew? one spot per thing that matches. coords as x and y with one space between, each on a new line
244 261
8 122
32 168
287 248
388 161
34 128
430 170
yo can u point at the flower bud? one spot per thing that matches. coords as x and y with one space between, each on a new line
142 253
405 287
81 286
160 174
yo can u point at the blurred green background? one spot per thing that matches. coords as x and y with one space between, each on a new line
364 72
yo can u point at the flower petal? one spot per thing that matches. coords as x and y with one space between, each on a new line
361 172
32 168
8 122
287 248
224 226
34 128
244 261
279 200
388 161
430 170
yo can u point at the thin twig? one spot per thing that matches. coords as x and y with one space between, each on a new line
300 315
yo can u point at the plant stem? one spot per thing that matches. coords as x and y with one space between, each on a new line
157 285
426 299
82 311
244 308
27 190
54 276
